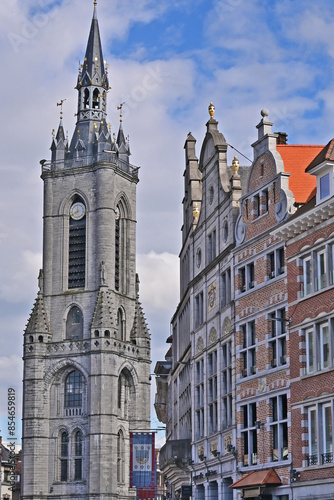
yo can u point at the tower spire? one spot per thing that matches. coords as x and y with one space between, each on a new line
92 86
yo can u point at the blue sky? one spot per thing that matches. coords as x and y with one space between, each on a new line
168 60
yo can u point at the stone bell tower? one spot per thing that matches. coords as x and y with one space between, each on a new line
86 344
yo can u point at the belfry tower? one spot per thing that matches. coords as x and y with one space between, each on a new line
86 344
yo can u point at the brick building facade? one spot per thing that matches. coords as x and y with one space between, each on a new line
276 439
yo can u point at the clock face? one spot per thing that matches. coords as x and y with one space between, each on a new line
77 211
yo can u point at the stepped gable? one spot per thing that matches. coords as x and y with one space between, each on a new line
38 321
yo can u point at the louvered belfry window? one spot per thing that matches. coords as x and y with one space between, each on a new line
77 253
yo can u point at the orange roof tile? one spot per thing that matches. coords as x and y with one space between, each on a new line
296 159
257 478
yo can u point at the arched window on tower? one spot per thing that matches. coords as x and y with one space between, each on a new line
120 324
78 456
73 394
77 245
64 440
74 324
126 394
121 248
86 99
117 247
96 97
120 457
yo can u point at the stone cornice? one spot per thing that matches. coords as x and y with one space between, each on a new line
306 221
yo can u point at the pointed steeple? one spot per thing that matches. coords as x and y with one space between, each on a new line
93 70
92 85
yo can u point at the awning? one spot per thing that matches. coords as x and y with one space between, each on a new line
257 478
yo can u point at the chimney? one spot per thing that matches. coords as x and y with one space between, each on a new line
282 138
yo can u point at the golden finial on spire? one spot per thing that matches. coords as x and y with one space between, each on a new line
120 109
235 164
61 107
211 110
95 3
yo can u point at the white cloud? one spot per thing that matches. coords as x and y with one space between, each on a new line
159 277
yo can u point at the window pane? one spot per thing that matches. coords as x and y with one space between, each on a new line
77 469
73 390
324 346
63 470
313 432
324 186
327 424
310 351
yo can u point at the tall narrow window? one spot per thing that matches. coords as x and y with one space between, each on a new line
73 391
313 436
248 434
78 456
121 324
310 350
117 247
307 276
64 440
96 102
74 324
120 457
279 428
77 246
321 270
86 99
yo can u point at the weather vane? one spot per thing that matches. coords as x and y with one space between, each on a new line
120 108
61 107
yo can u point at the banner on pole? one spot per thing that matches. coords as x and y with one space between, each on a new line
143 464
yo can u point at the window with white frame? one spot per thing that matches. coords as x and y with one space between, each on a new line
279 427
249 434
321 270
275 261
319 346
247 351
226 385
324 184
277 340
199 399
320 433
318 270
